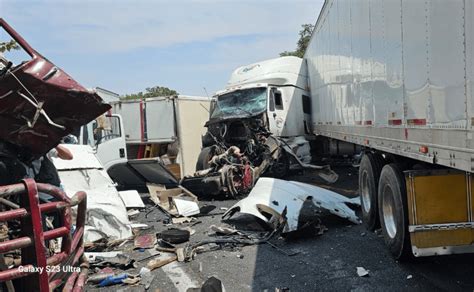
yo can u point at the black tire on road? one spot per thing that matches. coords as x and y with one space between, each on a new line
204 157
393 212
369 173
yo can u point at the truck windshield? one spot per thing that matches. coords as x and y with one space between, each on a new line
245 102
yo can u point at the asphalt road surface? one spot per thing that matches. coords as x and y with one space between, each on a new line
322 263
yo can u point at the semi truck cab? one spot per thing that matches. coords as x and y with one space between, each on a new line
270 96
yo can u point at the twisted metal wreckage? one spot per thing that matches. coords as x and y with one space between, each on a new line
241 150
39 104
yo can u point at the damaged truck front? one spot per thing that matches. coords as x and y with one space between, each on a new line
258 124
39 105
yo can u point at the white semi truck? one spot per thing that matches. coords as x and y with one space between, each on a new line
396 77
259 123
273 92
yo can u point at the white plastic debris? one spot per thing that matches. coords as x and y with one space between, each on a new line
139 226
106 214
186 208
131 199
176 202
91 256
272 196
361 272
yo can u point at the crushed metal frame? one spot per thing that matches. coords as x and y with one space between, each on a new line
40 103
33 238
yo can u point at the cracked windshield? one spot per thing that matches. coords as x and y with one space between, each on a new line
241 102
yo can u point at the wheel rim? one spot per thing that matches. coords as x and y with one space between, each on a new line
365 193
388 212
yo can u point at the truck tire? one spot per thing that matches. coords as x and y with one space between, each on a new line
204 157
369 174
393 210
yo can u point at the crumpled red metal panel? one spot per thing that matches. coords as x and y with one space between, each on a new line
66 102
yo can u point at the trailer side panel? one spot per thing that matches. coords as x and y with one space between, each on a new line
395 76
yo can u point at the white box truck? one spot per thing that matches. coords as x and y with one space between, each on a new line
176 123
130 139
397 78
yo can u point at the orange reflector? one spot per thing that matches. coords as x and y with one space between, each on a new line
423 149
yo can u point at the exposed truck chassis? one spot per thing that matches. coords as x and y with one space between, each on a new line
237 152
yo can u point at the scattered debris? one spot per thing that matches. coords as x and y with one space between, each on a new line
295 200
106 214
104 244
180 254
206 209
145 241
92 256
240 256
112 280
131 199
120 261
182 220
133 212
409 277
185 207
146 277
158 263
131 280
361 272
211 285
139 226
176 202
99 277
174 235
223 230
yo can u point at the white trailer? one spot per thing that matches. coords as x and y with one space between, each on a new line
396 77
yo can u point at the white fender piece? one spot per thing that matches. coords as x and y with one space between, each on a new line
271 196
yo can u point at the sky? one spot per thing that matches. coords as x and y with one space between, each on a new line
127 46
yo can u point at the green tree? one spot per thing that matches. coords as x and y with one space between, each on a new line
152 92
303 41
8 46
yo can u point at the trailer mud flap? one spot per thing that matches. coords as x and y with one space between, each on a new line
440 211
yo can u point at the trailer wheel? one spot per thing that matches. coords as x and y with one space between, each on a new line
393 211
369 173
204 157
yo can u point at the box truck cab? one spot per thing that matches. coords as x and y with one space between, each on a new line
269 96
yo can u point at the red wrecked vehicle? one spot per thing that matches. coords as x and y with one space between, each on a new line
39 105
